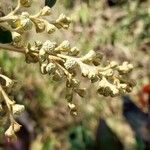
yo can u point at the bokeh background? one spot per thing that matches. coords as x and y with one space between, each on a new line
120 29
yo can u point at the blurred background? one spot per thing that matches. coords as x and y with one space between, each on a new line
120 29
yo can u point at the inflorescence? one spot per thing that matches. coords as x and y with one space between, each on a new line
59 60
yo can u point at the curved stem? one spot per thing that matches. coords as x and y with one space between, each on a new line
11 16
8 103
16 9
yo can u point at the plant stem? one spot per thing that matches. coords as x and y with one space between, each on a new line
8 103
11 15
12 48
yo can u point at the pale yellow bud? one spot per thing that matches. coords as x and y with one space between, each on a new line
64 46
17 109
45 11
16 37
50 28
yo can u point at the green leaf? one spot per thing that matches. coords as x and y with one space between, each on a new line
5 36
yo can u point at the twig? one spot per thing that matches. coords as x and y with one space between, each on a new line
12 48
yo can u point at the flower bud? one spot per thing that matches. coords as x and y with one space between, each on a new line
89 56
113 64
7 81
97 60
10 132
43 68
39 25
31 58
71 106
70 64
69 96
16 37
57 76
107 73
85 71
25 3
42 55
25 22
50 68
80 92
45 11
49 46
1 108
50 28
63 21
92 75
72 83
64 46
74 51
17 109
105 88
73 110
38 44
125 68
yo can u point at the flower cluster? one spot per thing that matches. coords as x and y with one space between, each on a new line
8 108
58 60
17 24
61 62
